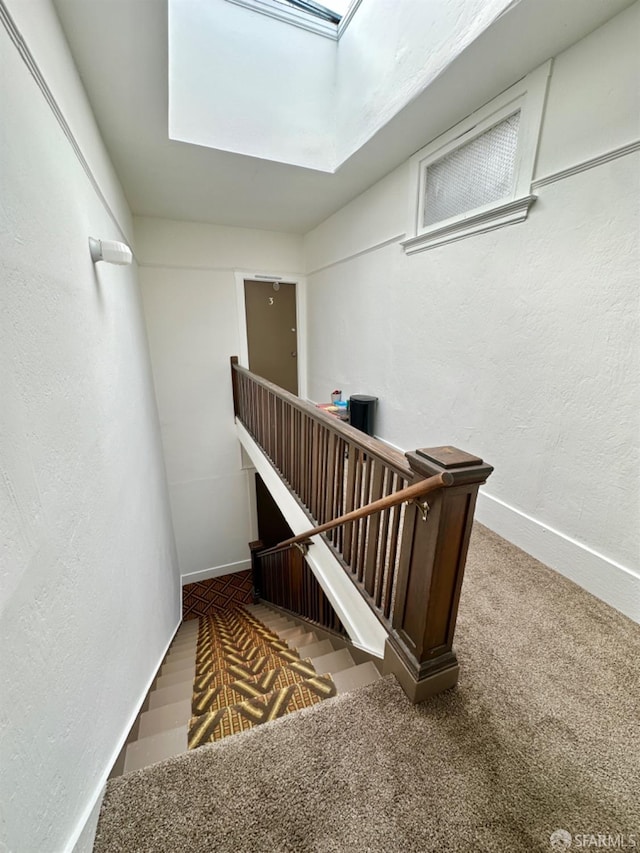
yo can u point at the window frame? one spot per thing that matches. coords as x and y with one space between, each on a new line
526 96
300 18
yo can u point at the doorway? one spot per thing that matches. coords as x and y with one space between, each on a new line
272 337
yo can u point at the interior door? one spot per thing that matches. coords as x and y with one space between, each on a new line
271 331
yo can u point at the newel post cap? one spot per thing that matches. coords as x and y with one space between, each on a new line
463 467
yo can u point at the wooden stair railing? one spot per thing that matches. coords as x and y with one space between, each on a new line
282 577
406 558
417 490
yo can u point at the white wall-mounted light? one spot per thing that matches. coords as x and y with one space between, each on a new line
109 251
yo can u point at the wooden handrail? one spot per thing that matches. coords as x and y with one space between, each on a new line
416 490
374 448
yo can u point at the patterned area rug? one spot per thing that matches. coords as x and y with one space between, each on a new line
206 597
246 675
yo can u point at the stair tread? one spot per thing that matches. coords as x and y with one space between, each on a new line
171 694
183 646
174 678
355 677
188 629
320 647
333 662
166 717
304 640
149 750
180 654
278 624
174 666
291 632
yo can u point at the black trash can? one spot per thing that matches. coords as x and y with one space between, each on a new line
362 412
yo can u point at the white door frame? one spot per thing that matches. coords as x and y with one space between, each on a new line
301 318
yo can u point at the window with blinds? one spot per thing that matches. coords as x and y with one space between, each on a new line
477 176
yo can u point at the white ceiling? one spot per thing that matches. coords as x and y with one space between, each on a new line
120 49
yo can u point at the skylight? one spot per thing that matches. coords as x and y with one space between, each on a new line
334 13
329 18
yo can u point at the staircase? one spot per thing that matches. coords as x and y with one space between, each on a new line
236 669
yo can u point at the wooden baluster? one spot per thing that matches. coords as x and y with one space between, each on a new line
316 469
364 523
352 465
234 387
256 572
291 443
330 486
315 456
245 407
357 529
303 459
382 536
309 502
392 550
280 436
272 425
341 498
373 539
322 473
324 466
293 438
267 434
284 447
419 649
276 433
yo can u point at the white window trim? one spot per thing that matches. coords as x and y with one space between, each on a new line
300 18
528 96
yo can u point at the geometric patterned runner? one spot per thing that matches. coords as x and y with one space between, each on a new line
231 673
208 728
245 676
259 685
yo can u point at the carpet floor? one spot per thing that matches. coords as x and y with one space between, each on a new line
541 734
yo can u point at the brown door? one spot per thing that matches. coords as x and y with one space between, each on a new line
271 332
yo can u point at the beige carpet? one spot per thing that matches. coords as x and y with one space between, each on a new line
542 733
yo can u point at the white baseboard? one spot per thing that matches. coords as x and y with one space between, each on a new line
79 837
216 572
611 582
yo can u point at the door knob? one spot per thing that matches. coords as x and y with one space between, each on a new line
294 354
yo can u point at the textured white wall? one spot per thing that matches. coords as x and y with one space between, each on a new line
89 585
520 345
393 52
189 292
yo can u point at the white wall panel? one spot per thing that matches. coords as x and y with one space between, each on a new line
88 571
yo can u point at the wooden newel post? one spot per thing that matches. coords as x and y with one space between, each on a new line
435 540
256 570
234 385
